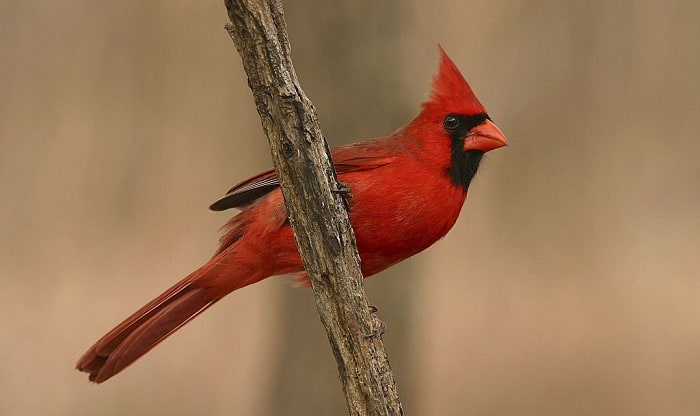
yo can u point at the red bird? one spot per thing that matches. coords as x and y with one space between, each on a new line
407 191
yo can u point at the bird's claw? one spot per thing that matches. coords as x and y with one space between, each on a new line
343 188
378 326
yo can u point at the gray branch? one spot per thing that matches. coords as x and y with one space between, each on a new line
317 212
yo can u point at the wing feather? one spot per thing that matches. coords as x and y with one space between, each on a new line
356 157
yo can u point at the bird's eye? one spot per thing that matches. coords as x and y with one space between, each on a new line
450 122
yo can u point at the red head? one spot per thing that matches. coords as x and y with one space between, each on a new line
451 91
452 95
454 119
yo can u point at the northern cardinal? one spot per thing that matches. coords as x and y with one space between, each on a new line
407 191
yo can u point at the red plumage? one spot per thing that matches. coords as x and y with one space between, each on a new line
407 191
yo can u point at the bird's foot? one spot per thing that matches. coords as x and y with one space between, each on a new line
378 326
343 188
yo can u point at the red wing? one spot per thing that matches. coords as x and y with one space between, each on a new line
355 157
248 191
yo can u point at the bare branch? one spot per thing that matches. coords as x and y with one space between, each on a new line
317 213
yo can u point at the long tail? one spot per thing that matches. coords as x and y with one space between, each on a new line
164 315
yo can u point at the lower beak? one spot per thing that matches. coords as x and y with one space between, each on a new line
486 136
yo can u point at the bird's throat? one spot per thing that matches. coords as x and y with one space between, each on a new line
464 166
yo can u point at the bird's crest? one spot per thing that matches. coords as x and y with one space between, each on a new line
451 91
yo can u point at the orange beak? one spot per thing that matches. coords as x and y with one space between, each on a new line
486 136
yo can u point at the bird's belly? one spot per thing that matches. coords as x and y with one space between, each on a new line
394 227
391 223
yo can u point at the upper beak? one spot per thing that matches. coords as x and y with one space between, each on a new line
486 136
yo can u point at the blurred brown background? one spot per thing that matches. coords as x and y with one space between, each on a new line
569 286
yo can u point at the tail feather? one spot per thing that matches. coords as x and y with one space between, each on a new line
146 336
151 324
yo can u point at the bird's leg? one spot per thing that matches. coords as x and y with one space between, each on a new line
343 188
378 326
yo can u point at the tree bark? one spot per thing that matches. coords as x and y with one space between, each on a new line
345 89
316 206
